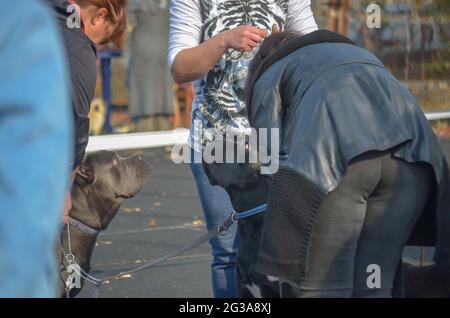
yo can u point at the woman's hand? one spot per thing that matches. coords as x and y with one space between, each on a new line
244 37
191 64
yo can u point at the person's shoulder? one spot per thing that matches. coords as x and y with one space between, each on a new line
299 3
75 40
81 52
24 16
29 13
83 56
82 59
27 8
194 4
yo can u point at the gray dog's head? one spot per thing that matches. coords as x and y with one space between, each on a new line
103 181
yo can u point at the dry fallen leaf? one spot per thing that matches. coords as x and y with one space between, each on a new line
138 261
197 222
125 276
132 210
151 223
157 204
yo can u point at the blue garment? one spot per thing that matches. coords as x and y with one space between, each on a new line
216 208
35 143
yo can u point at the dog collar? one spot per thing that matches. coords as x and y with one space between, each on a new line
83 227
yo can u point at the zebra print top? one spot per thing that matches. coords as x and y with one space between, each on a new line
219 105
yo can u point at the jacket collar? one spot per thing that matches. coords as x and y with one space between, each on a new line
292 45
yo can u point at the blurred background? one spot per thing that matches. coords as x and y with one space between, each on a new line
413 42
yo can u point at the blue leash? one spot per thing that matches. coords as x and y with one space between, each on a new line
235 217
254 211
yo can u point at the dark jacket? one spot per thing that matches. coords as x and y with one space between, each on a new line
333 102
82 59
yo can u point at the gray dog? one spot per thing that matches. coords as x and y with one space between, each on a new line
103 182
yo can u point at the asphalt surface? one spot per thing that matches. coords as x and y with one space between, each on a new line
162 218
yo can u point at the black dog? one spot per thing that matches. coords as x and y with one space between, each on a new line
102 183
246 189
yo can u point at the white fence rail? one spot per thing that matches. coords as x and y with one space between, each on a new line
169 138
137 140
438 115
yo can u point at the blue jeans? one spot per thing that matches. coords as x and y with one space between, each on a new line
216 208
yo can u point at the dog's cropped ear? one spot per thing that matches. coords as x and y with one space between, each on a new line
85 174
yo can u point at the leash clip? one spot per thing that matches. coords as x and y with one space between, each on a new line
70 258
224 228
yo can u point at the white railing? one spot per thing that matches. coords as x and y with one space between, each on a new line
137 140
438 115
168 138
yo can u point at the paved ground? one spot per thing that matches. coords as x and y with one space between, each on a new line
161 219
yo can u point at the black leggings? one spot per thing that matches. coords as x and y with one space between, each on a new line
365 222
